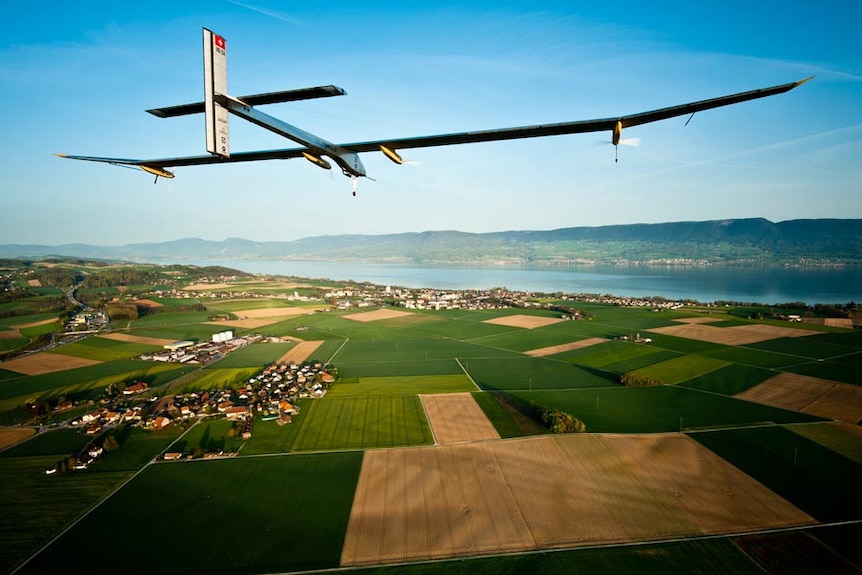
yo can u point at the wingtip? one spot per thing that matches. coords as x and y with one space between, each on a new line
800 82
61 155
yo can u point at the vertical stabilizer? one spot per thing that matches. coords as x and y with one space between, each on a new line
215 84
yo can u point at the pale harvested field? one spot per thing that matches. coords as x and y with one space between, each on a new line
39 363
549 492
698 319
300 352
543 351
377 315
734 335
10 334
12 435
524 321
131 338
269 312
148 303
35 323
456 417
813 395
34 283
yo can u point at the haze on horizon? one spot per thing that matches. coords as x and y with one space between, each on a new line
76 78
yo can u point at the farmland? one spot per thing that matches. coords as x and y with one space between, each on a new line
401 459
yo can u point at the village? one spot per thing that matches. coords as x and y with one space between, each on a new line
271 394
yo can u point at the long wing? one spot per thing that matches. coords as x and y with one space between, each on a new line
579 127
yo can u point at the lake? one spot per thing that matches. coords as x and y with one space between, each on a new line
706 284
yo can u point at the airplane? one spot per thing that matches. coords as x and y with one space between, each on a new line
218 105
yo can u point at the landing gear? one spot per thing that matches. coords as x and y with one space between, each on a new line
353 180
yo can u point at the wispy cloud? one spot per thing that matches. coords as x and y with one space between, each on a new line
723 159
270 13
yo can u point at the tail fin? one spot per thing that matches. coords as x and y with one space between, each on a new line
215 84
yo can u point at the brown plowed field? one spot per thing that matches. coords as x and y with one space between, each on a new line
456 417
377 315
813 395
45 362
543 351
131 338
524 321
300 352
10 334
549 492
734 335
12 435
147 303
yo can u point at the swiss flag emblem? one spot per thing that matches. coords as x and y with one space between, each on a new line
219 41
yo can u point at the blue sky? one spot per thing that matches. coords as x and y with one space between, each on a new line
76 77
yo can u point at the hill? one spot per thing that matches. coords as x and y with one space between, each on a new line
737 241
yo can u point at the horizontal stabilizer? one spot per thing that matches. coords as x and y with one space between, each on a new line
255 100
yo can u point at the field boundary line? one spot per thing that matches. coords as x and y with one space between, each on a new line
458 361
340 347
428 420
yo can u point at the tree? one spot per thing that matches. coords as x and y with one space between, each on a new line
562 422
110 444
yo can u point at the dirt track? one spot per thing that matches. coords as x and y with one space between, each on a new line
549 492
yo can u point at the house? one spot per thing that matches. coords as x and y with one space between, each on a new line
172 456
137 387
161 422
91 416
237 412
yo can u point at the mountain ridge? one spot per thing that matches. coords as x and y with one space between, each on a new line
726 241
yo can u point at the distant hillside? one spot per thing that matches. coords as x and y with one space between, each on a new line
742 241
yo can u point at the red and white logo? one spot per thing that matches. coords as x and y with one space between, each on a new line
219 41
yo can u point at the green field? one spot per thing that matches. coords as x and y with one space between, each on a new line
258 355
681 369
524 372
730 380
819 481
657 409
209 435
405 385
103 349
334 423
834 437
248 515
